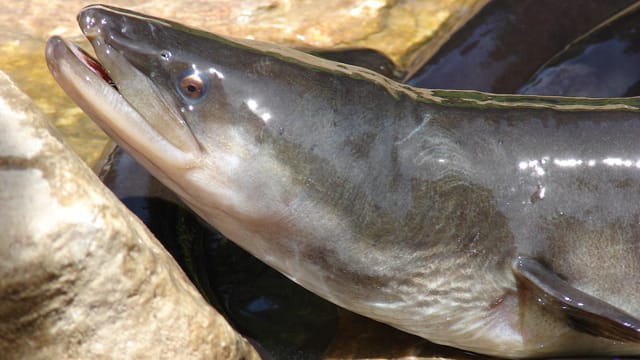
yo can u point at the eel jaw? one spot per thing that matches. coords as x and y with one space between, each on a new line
87 82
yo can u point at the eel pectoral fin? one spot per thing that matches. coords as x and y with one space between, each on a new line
582 311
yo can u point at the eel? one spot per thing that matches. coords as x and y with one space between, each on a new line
247 292
502 224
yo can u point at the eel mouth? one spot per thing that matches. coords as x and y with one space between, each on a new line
165 141
92 64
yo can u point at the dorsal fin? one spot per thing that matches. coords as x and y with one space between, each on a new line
582 311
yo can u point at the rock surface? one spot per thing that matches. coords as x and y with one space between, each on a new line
391 26
80 276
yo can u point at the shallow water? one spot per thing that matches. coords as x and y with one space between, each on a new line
23 60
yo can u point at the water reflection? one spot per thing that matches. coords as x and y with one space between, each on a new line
602 63
262 113
538 165
535 165
217 73
506 41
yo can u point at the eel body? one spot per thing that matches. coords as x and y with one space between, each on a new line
502 224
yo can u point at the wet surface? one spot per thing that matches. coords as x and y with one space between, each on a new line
506 42
602 63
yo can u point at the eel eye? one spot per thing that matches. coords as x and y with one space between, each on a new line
193 85
165 55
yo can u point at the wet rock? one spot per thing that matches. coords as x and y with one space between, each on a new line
80 276
391 26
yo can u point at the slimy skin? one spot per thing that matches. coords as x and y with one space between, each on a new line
505 225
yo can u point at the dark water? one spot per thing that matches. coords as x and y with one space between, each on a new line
508 40
604 63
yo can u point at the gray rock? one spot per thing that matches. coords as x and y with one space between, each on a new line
80 276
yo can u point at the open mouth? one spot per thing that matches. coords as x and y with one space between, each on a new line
92 64
123 111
